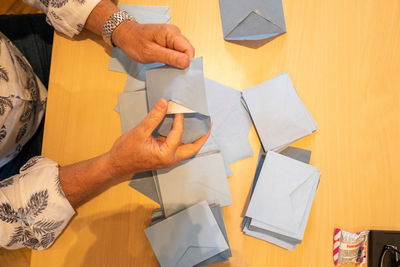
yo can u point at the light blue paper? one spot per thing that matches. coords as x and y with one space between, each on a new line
252 20
119 62
225 255
231 122
268 238
278 113
182 86
132 84
185 87
158 216
193 180
187 238
145 185
133 109
282 200
299 154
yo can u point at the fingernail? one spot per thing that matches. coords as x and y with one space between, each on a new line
183 61
161 104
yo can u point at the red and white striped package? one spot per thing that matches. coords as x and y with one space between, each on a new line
349 247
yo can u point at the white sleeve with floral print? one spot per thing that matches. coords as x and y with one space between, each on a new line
66 16
33 207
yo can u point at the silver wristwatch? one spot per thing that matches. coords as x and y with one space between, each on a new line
112 23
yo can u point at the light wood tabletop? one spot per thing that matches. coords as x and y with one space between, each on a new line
344 59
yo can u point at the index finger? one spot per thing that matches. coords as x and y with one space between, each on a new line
186 151
175 135
183 45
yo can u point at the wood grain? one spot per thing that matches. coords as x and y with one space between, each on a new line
16 7
344 60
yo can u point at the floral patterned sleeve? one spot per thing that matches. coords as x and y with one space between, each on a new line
66 16
33 207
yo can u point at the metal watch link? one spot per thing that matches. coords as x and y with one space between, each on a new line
112 23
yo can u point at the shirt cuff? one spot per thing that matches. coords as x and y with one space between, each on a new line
66 16
38 210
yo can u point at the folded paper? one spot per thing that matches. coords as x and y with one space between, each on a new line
157 216
144 183
299 154
252 20
187 238
278 113
184 87
282 200
194 180
231 122
133 109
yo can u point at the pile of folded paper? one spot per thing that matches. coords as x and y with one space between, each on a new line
284 184
189 229
195 236
199 236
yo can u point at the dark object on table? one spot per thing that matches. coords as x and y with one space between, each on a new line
383 248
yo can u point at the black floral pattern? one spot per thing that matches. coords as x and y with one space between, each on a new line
80 1
33 87
36 204
4 102
27 113
21 133
58 3
6 182
45 2
47 239
24 65
7 213
3 74
31 162
59 189
42 227
3 133
29 234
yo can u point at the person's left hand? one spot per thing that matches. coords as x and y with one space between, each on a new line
137 150
147 43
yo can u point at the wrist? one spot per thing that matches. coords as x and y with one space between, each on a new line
120 33
113 169
114 22
99 15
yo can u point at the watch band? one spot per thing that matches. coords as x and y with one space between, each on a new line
112 23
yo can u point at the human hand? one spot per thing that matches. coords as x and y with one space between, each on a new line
147 43
137 150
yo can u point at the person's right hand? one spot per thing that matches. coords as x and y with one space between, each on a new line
137 150
149 43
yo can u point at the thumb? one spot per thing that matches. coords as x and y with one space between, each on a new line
155 116
171 57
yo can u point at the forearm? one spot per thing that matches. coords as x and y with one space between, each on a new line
99 15
85 179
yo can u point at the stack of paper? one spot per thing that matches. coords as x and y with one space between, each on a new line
195 236
252 20
278 113
281 202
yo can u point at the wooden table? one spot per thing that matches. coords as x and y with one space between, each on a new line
344 60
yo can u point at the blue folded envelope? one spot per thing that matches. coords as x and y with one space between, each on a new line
252 20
